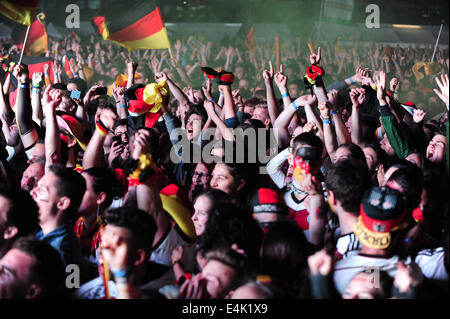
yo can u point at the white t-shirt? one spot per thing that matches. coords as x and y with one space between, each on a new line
163 253
346 245
345 269
431 262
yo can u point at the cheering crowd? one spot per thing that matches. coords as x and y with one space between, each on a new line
102 195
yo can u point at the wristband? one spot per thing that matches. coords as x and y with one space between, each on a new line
46 73
101 128
122 105
75 75
351 80
212 100
123 273
285 95
334 112
36 90
23 85
395 92
326 121
294 105
221 94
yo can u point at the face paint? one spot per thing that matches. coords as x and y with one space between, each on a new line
306 162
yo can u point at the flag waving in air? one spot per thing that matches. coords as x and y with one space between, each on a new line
21 11
140 27
37 42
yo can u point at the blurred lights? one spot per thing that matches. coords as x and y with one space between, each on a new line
407 26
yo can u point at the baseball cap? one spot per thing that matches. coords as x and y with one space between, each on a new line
382 212
267 200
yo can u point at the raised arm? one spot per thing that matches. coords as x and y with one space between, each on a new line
357 97
121 105
272 104
329 136
36 96
104 122
51 100
27 131
341 130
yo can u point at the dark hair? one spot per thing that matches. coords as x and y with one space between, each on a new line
59 86
356 152
199 110
284 253
22 212
348 180
120 122
104 181
81 85
228 224
47 268
214 195
141 225
238 262
382 157
410 179
70 184
307 138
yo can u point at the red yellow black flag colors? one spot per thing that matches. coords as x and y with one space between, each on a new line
21 11
146 32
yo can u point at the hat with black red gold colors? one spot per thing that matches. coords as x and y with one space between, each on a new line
267 200
382 212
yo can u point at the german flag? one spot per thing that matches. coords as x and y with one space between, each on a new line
21 11
37 42
135 29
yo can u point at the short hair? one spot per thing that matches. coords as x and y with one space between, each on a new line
81 85
356 152
47 269
59 86
307 138
140 224
120 122
234 260
382 157
348 180
23 211
228 224
410 179
104 181
199 110
71 184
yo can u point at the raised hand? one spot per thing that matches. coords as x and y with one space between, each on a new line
357 96
37 78
268 74
306 99
118 92
141 143
160 76
310 127
324 108
443 91
237 98
209 107
315 57
281 79
381 86
132 66
21 72
418 115
333 98
207 90
107 117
